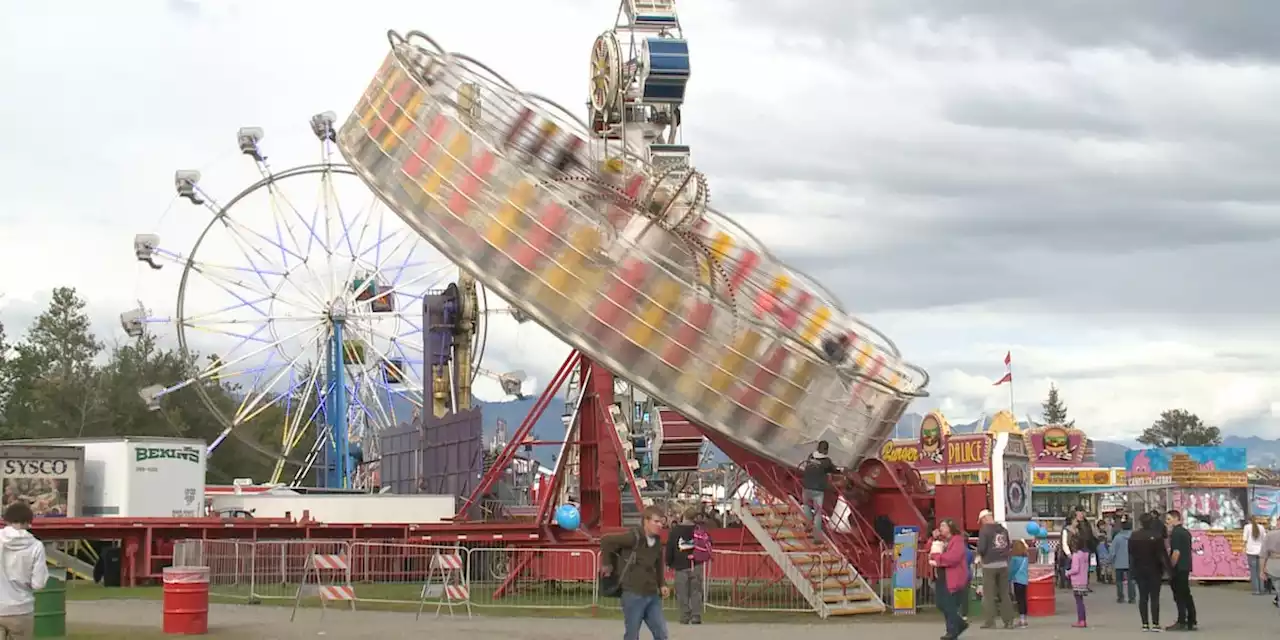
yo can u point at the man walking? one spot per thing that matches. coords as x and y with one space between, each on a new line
686 556
22 572
815 470
993 553
641 575
1120 561
1180 577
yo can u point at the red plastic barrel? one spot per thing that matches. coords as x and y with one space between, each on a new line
186 600
1040 597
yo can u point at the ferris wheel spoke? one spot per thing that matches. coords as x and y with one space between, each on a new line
374 409
377 265
219 366
296 428
181 260
397 288
226 283
256 384
243 337
240 241
385 360
248 410
277 196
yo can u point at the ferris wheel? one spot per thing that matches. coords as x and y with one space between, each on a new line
303 304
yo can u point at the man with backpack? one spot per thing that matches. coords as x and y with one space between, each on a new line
631 564
688 549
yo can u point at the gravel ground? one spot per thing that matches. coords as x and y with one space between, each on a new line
1223 610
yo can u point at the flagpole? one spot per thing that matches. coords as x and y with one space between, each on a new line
1010 372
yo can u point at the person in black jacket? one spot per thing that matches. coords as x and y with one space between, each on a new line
814 471
1147 565
1180 574
680 557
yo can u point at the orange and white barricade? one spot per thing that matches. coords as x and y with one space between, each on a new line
332 575
447 583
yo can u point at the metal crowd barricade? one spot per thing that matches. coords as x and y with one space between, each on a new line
534 578
750 581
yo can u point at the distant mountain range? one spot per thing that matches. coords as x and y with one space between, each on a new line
549 427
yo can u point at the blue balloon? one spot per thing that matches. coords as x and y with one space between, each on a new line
1044 533
1033 528
567 517
1045 548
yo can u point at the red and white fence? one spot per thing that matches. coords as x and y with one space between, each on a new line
482 577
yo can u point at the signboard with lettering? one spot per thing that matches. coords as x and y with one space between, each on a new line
1189 466
955 451
1074 477
167 480
905 543
46 484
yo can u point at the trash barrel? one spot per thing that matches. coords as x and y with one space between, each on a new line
1041 596
972 609
51 610
186 600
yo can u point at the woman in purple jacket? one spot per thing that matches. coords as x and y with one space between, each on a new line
953 584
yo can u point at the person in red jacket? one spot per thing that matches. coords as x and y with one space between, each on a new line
953 584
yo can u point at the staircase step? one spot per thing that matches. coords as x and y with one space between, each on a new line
857 609
822 557
833 596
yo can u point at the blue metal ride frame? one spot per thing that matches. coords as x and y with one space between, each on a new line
338 471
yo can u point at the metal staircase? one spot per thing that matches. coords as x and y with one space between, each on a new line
632 487
59 555
817 569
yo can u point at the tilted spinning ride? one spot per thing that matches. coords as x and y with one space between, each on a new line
316 309
618 253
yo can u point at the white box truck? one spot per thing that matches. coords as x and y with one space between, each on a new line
140 477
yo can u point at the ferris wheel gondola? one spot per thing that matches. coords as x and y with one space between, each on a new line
306 298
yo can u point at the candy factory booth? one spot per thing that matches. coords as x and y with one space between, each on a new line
1210 486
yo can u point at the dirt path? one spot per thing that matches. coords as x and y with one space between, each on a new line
1222 611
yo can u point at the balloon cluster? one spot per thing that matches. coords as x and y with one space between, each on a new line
1034 529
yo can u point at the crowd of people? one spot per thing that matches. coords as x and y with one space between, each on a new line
1137 557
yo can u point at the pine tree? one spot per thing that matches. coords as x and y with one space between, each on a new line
1054 411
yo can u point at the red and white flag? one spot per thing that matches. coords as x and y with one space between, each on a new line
1008 371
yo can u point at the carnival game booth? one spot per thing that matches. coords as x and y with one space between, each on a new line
1210 486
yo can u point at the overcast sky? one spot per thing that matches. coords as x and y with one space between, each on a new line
1090 185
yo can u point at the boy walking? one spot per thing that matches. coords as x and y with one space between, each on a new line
22 572
640 575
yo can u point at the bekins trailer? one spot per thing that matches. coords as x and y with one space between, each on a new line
137 477
47 478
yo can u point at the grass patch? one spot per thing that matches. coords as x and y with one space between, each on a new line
557 600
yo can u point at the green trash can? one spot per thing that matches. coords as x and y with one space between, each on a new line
974 610
51 610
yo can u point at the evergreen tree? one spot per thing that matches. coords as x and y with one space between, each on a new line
1180 428
51 372
1054 410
